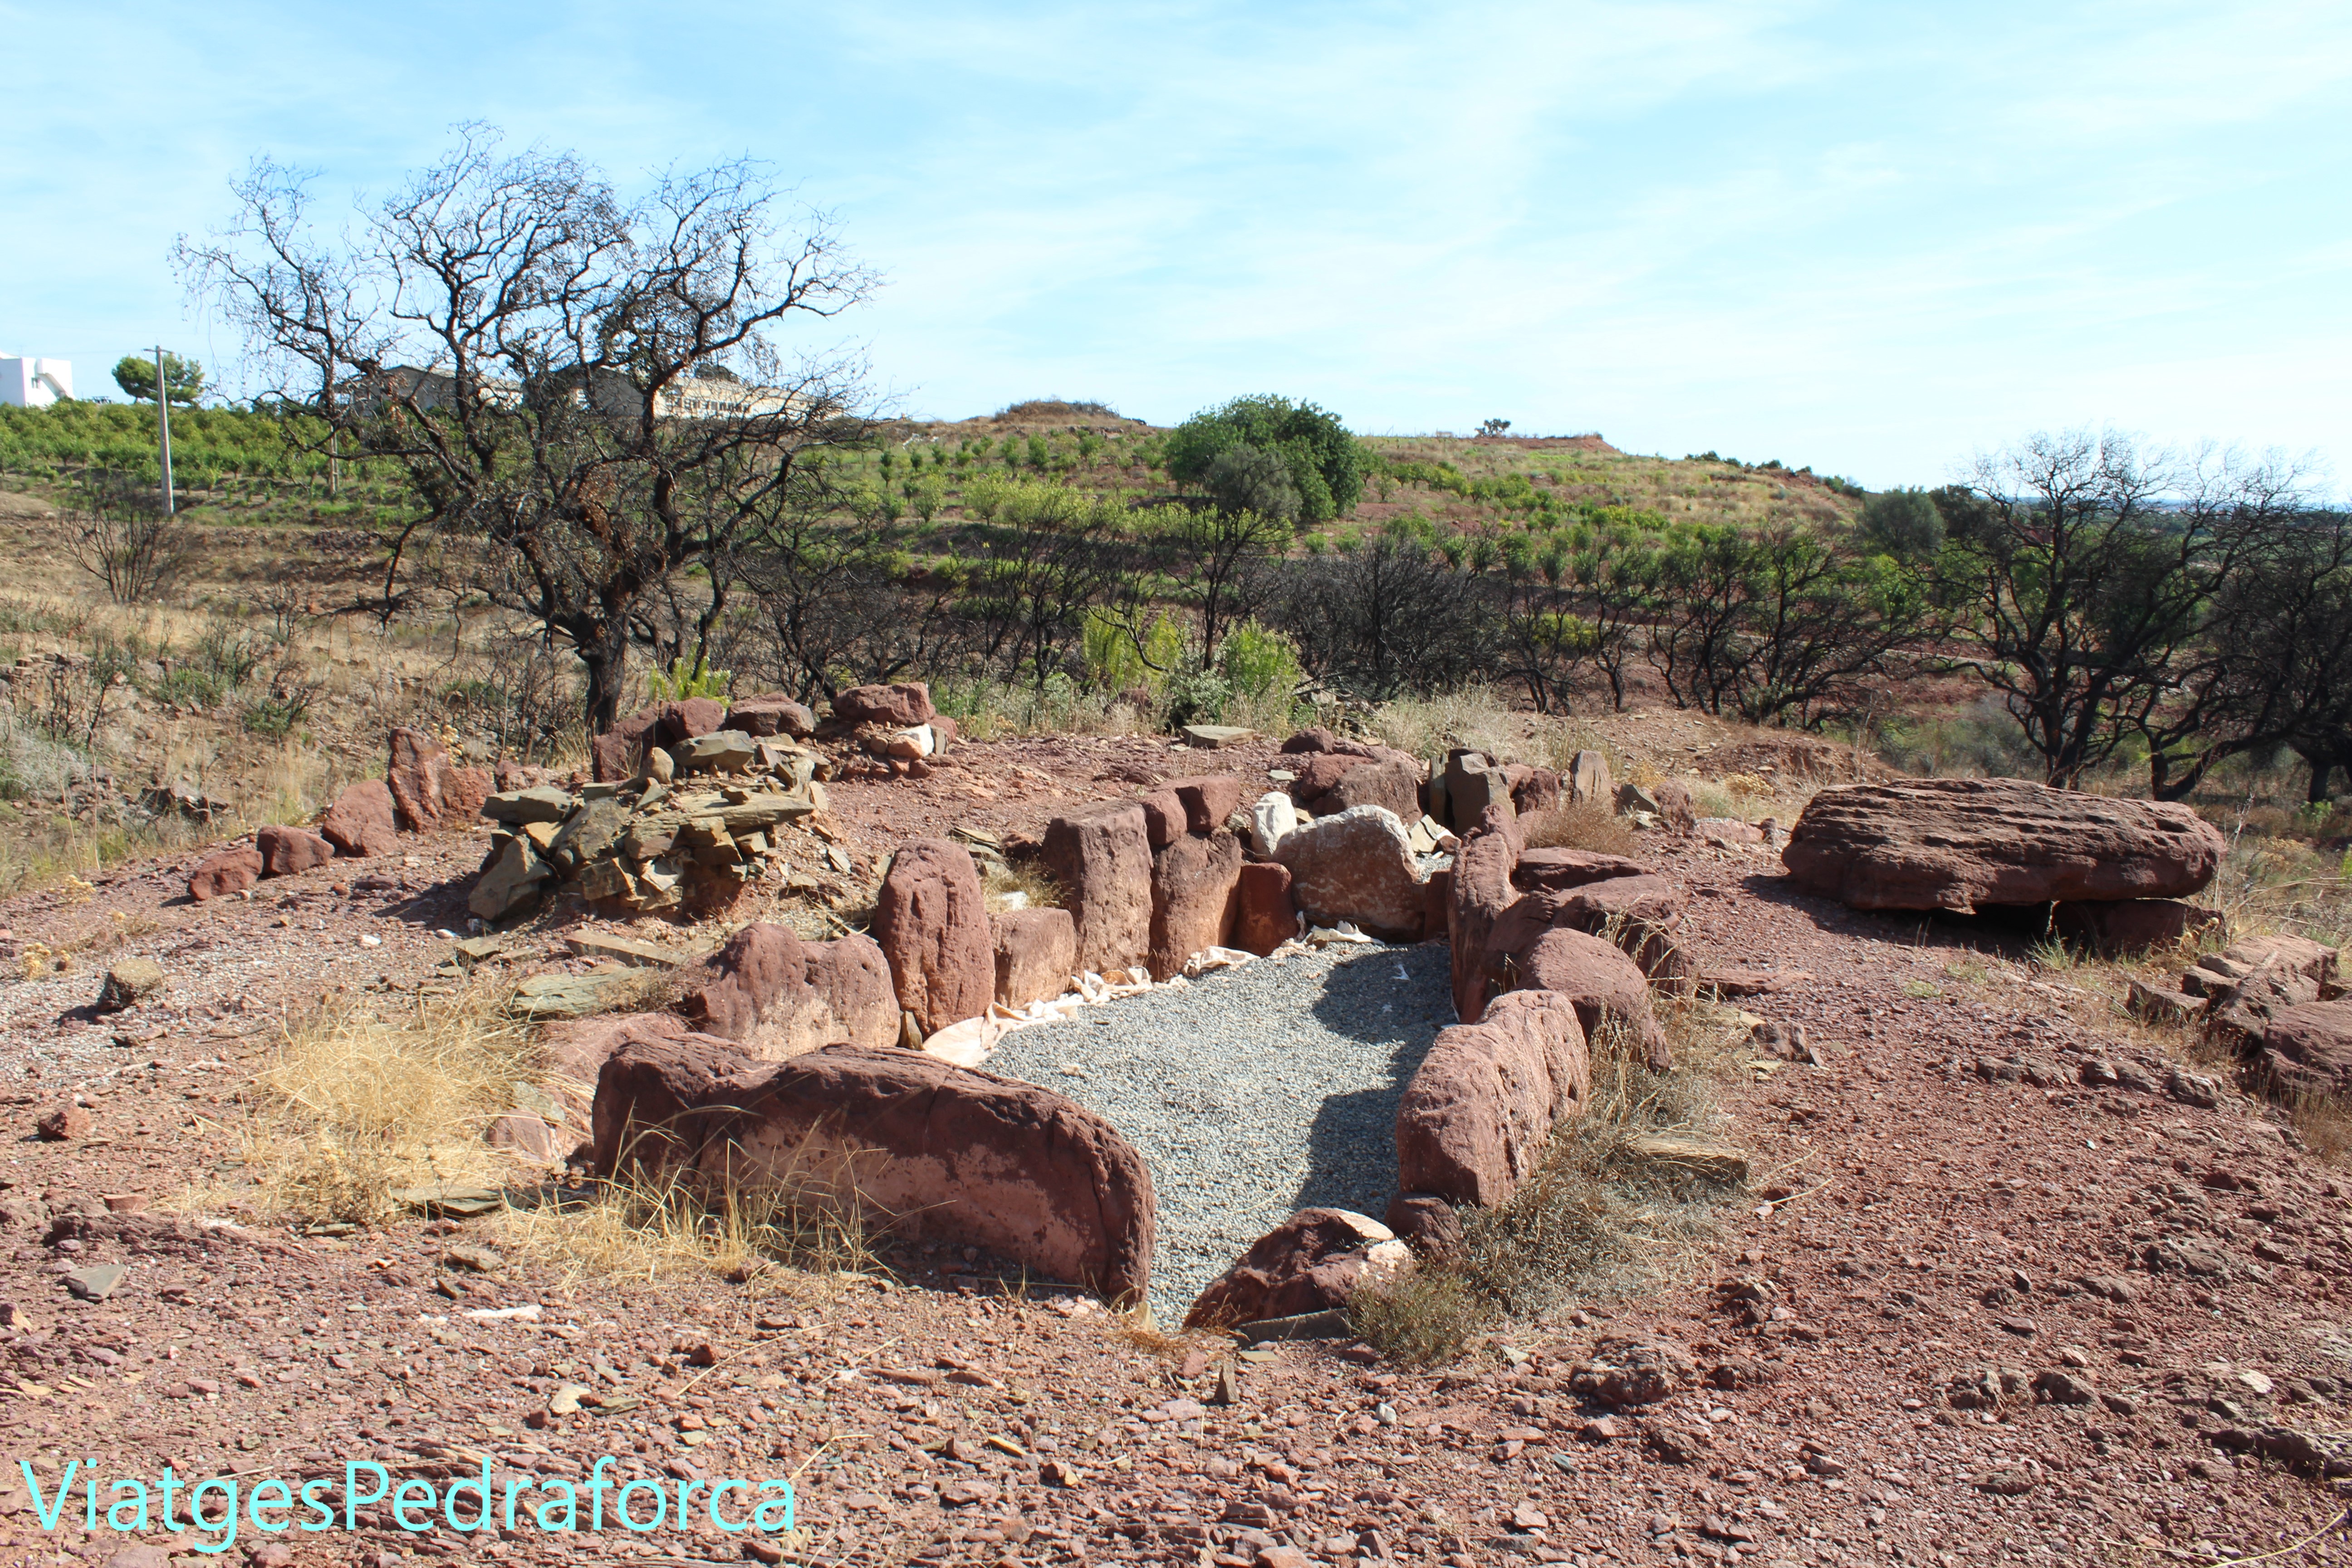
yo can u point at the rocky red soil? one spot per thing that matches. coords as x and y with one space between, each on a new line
2001 1290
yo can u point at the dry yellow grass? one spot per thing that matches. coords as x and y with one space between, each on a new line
363 1099
1027 879
654 1225
1581 825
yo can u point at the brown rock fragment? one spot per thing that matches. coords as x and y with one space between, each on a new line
359 824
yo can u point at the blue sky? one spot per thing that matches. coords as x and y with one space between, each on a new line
1867 237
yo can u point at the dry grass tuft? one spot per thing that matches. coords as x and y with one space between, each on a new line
1027 877
671 1225
1582 824
1588 1223
2324 1122
363 1099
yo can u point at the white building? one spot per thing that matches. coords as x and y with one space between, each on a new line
35 383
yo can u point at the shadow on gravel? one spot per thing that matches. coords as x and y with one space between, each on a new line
1393 1001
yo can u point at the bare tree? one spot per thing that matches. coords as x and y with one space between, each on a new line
2077 584
537 355
120 534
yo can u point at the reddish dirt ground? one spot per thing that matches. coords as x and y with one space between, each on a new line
2181 1271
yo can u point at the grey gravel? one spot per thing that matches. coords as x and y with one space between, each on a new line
1252 1093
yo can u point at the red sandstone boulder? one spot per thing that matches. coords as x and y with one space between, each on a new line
1676 808
1035 952
577 1048
359 823
1606 988
771 714
1539 791
1200 805
907 1142
1647 900
857 1003
905 704
1358 866
677 722
931 918
1266 918
1426 1222
1558 870
1321 739
1102 858
1209 799
1477 1116
1193 898
1319 771
2307 1050
415 774
775 996
286 850
1312 1262
617 755
1392 782
1954 843
225 871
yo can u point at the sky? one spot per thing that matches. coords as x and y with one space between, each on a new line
1872 239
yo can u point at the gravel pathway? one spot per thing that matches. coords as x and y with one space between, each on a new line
1253 1092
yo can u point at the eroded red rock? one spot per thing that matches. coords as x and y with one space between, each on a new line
288 851
1606 987
906 702
1477 1116
771 714
910 1142
1102 858
1954 843
416 770
1312 1262
225 871
1266 918
775 996
1195 898
1035 952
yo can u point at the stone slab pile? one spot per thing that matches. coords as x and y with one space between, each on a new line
2275 1000
706 813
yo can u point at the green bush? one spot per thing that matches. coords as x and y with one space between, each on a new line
683 681
1327 465
1257 662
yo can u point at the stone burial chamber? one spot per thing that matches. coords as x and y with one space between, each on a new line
1386 1018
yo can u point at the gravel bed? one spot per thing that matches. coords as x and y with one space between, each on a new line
1253 1092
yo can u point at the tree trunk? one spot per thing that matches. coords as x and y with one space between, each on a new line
607 663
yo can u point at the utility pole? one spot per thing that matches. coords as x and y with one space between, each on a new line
163 419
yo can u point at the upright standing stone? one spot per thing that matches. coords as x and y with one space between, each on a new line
1267 917
931 918
1102 858
1036 953
1192 898
1588 781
